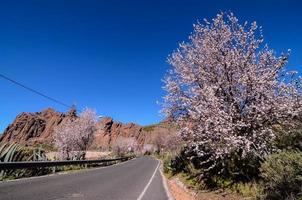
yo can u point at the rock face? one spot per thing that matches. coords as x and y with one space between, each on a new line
34 128
37 128
108 131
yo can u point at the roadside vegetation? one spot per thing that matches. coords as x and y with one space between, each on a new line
239 113
12 152
71 141
149 128
15 152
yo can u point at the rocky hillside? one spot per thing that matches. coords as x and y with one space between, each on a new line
34 128
108 131
37 128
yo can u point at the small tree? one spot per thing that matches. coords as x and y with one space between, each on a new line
86 127
148 149
64 139
159 141
166 142
74 135
124 145
172 143
226 90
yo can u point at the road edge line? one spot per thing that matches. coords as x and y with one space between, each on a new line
168 193
164 180
149 182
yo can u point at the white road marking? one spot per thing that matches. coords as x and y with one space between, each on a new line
169 195
148 184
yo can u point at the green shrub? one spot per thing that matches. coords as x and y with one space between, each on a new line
15 152
251 190
46 147
226 171
149 128
282 175
167 164
288 138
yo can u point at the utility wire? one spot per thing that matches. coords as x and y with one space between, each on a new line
34 91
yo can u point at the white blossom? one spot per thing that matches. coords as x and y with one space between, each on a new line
73 136
226 89
125 145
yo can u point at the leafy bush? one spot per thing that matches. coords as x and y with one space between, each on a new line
149 128
166 164
224 173
45 146
282 175
181 163
289 137
251 190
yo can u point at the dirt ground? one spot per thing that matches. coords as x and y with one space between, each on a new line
180 192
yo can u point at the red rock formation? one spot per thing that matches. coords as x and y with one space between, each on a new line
34 128
37 128
108 131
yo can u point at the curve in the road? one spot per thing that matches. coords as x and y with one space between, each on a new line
137 179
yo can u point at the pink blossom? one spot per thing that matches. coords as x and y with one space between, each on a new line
226 89
73 136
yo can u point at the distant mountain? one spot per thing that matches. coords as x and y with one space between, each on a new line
37 128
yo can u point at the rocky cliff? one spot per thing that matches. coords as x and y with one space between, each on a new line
34 128
37 128
108 131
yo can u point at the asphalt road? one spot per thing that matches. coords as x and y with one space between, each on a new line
137 179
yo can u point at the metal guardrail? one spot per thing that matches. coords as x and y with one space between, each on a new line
34 164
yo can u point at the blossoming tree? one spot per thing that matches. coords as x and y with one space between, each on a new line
125 145
74 135
165 142
226 89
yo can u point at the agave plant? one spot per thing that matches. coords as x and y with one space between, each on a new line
14 153
11 152
37 154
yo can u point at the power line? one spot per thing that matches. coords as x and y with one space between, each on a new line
34 91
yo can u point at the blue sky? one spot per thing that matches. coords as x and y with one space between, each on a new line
111 55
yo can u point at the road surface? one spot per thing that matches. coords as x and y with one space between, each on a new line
137 179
